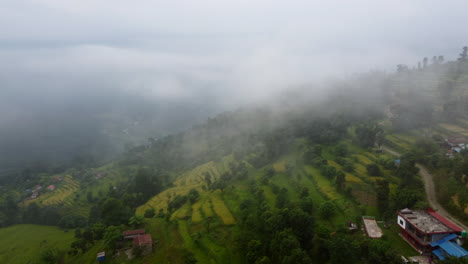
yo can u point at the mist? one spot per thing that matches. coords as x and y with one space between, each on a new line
103 75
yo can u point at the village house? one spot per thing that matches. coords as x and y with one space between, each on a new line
140 240
58 178
455 145
37 188
100 175
34 195
426 231
133 233
145 242
51 187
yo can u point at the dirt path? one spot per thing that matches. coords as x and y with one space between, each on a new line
430 191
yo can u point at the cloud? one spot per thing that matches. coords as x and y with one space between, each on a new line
229 51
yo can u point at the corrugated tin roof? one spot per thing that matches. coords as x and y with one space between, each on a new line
443 240
454 249
438 254
133 232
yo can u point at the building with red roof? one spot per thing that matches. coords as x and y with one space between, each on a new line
142 240
420 228
133 233
145 242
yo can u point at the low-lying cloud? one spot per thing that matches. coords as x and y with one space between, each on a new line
91 56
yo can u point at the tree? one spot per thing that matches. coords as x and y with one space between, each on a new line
94 215
283 244
306 204
383 195
366 134
341 150
88 235
89 197
136 221
425 60
193 195
381 251
464 54
111 236
32 214
440 59
373 170
343 250
146 183
189 257
263 260
73 221
405 198
254 251
327 210
177 202
98 231
304 192
402 68
149 213
328 171
340 180
114 212
49 256
281 198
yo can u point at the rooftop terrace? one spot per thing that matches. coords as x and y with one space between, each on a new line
424 221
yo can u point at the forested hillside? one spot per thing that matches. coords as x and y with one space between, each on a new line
281 182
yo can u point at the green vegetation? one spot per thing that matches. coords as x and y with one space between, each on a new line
247 188
26 243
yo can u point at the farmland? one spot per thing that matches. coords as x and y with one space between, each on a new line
24 243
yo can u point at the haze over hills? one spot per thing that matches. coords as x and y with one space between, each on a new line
232 131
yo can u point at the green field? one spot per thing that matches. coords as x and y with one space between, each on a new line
24 243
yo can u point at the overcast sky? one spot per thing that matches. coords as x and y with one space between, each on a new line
235 51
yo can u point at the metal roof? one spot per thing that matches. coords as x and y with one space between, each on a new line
443 240
438 254
133 232
453 249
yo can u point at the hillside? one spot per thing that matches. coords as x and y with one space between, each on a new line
278 183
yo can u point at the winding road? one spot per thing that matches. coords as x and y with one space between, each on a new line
430 191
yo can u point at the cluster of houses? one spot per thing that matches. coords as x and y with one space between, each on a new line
36 190
455 145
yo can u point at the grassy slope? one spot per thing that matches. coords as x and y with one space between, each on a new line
207 228
24 243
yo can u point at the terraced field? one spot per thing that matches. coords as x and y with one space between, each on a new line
221 210
211 202
399 141
61 195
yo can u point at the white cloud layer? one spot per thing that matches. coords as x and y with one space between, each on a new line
234 51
